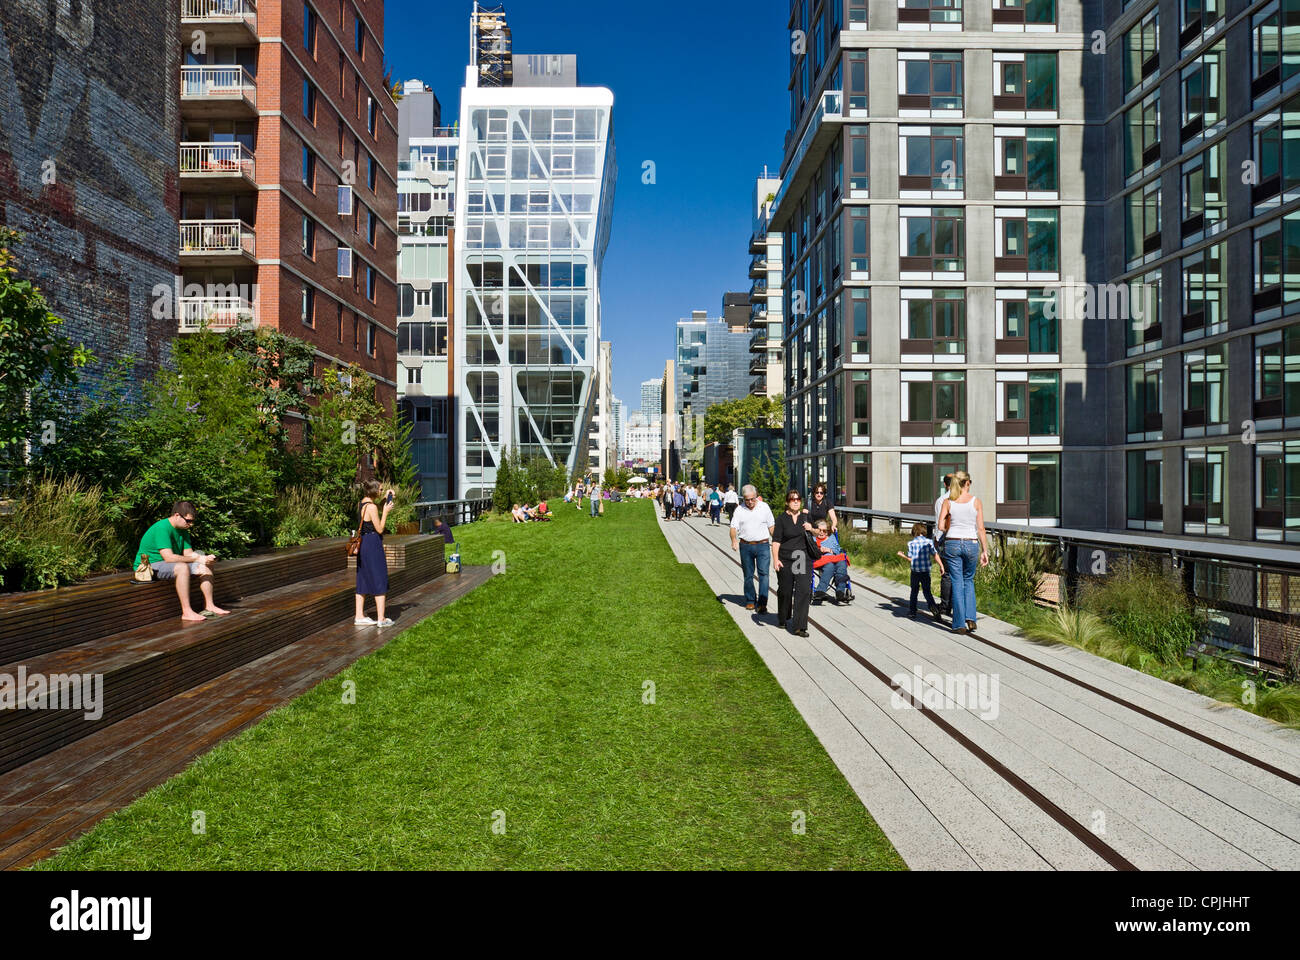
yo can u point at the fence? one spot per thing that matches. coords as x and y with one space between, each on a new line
451 512
1247 595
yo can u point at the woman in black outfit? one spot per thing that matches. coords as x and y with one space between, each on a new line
819 508
793 565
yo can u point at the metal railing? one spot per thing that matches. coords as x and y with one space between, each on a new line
224 10
451 512
216 158
215 313
1247 594
217 236
218 81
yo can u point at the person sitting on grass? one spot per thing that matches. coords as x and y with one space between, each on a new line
920 550
517 514
170 552
833 564
543 512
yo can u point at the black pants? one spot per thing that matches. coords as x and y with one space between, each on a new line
922 581
794 590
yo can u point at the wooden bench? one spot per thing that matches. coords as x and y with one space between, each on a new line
277 602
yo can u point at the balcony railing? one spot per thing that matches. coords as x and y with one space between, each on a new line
831 106
217 236
224 11
228 80
215 313
216 158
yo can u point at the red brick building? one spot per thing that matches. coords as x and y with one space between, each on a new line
288 175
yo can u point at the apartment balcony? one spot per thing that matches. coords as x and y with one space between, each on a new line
758 340
758 241
758 312
215 313
758 267
758 385
758 292
823 126
217 243
758 362
226 23
222 92
216 168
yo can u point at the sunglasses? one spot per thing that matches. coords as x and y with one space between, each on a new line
794 500
190 521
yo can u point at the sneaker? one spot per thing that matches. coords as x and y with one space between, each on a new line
386 622
762 608
841 596
749 606
820 595
364 622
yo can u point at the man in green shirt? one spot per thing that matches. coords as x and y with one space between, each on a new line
170 552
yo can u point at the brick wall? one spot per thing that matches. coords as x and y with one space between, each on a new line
88 156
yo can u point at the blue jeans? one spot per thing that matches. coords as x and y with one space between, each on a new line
751 554
961 558
837 569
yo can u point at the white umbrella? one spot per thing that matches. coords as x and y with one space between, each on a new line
638 480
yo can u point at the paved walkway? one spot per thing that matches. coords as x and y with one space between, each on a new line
1081 764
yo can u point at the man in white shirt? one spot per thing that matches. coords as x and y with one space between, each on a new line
945 581
730 500
751 533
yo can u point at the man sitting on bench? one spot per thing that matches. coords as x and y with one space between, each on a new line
171 554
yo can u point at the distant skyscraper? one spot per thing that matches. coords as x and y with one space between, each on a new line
652 398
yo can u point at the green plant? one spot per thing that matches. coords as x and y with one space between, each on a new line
1014 571
1146 607
771 478
59 531
301 515
1072 626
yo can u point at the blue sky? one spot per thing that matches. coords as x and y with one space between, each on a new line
698 88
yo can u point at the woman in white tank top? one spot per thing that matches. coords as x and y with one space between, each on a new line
965 543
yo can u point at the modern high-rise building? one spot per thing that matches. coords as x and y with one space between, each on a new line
426 206
765 364
671 455
933 185
619 429
601 437
534 194
712 366
288 176
652 398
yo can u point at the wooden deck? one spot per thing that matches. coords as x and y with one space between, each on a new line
172 690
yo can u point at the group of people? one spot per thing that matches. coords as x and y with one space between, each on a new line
681 500
525 513
959 530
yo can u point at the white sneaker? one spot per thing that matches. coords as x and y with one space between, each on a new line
386 622
364 622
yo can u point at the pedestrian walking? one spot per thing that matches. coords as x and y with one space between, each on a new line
965 542
372 562
731 501
820 508
679 503
945 582
920 552
715 507
751 535
794 563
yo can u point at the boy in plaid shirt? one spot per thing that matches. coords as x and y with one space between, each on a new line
919 551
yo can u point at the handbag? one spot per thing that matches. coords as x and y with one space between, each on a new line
354 542
144 570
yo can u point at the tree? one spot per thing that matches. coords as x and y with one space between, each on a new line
721 420
36 362
771 478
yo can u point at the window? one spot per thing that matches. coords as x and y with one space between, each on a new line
1142 134
1205 292
1027 241
372 110
929 81
1205 203
1026 160
1276 59
309 237
1031 14
345 262
359 37
308 307
931 158
933 240
1205 391
372 339
860 407
1142 222
934 406
309 101
927 12
1277 379
309 169
1145 404
1277 491
1277 267
859 168
1142 51
1205 490
922 477
1144 489
857 14
356 332
372 172
309 30
413 374
859 235
345 200
857 311
1029 322
371 281
1028 405
1143 330
857 71
1203 105
934 322
338 323
1024 82
1277 156
1029 486
1199 16
860 479
372 227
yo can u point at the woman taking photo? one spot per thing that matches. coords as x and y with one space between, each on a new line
965 542
820 508
372 563
793 565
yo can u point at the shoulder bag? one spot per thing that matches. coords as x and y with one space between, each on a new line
354 542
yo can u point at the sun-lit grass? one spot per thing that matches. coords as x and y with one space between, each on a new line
525 697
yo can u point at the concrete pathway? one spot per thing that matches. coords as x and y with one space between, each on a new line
992 752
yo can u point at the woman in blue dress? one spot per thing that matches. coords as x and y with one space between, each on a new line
372 563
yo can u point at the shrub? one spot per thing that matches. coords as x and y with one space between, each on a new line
1146 607
301 516
1014 571
1072 626
59 532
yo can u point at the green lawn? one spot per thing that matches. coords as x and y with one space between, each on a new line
524 697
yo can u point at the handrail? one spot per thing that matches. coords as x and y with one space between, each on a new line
452 512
